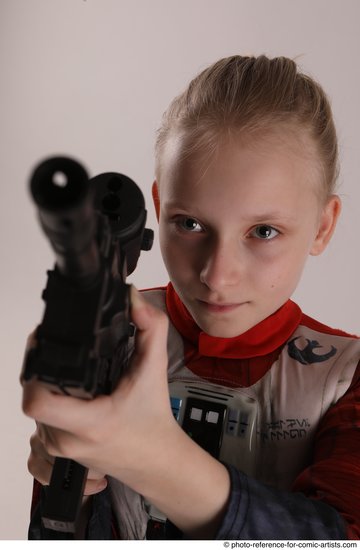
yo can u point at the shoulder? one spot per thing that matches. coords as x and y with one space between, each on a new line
315 325
320 337
318 346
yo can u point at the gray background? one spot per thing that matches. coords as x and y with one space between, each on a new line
91 78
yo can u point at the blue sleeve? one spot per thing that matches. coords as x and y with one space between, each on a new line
258 512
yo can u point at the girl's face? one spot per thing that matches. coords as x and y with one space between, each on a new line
235 233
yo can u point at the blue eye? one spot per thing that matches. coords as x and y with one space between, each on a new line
190 224
264 232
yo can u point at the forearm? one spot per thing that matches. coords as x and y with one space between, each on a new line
205 499
256 511
187 484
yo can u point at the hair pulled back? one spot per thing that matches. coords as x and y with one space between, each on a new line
253 95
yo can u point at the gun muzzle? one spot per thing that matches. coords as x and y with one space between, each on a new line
60 188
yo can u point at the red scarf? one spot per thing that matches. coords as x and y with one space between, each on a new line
238 361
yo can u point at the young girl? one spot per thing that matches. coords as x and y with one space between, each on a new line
246 165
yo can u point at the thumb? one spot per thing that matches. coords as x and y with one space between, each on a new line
152 327
140 310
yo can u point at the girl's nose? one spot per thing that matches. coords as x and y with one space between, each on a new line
221 267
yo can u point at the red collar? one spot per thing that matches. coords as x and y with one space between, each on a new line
262 339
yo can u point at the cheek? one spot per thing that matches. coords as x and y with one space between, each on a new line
179 254
166 252
283 273
164 240
175 259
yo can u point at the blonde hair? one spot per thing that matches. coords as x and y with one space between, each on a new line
252 95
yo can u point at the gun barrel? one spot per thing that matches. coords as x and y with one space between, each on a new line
97 230
60 188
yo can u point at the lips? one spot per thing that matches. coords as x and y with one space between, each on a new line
219 307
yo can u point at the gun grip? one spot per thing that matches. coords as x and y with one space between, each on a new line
64 495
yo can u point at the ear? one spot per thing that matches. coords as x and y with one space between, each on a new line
156 198
327 224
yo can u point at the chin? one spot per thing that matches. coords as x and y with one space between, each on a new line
223 334
223 331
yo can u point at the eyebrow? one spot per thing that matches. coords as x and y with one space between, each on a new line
269 216
272 215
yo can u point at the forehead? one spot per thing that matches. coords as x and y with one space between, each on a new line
264 166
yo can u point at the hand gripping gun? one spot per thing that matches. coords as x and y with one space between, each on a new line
97 230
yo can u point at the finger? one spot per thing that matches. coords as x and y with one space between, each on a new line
37 444
64 412
31 341
39 468
93 486
143 313
63 444
38 448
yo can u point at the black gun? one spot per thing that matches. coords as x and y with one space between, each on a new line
97 230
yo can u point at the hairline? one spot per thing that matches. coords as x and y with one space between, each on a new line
203 141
